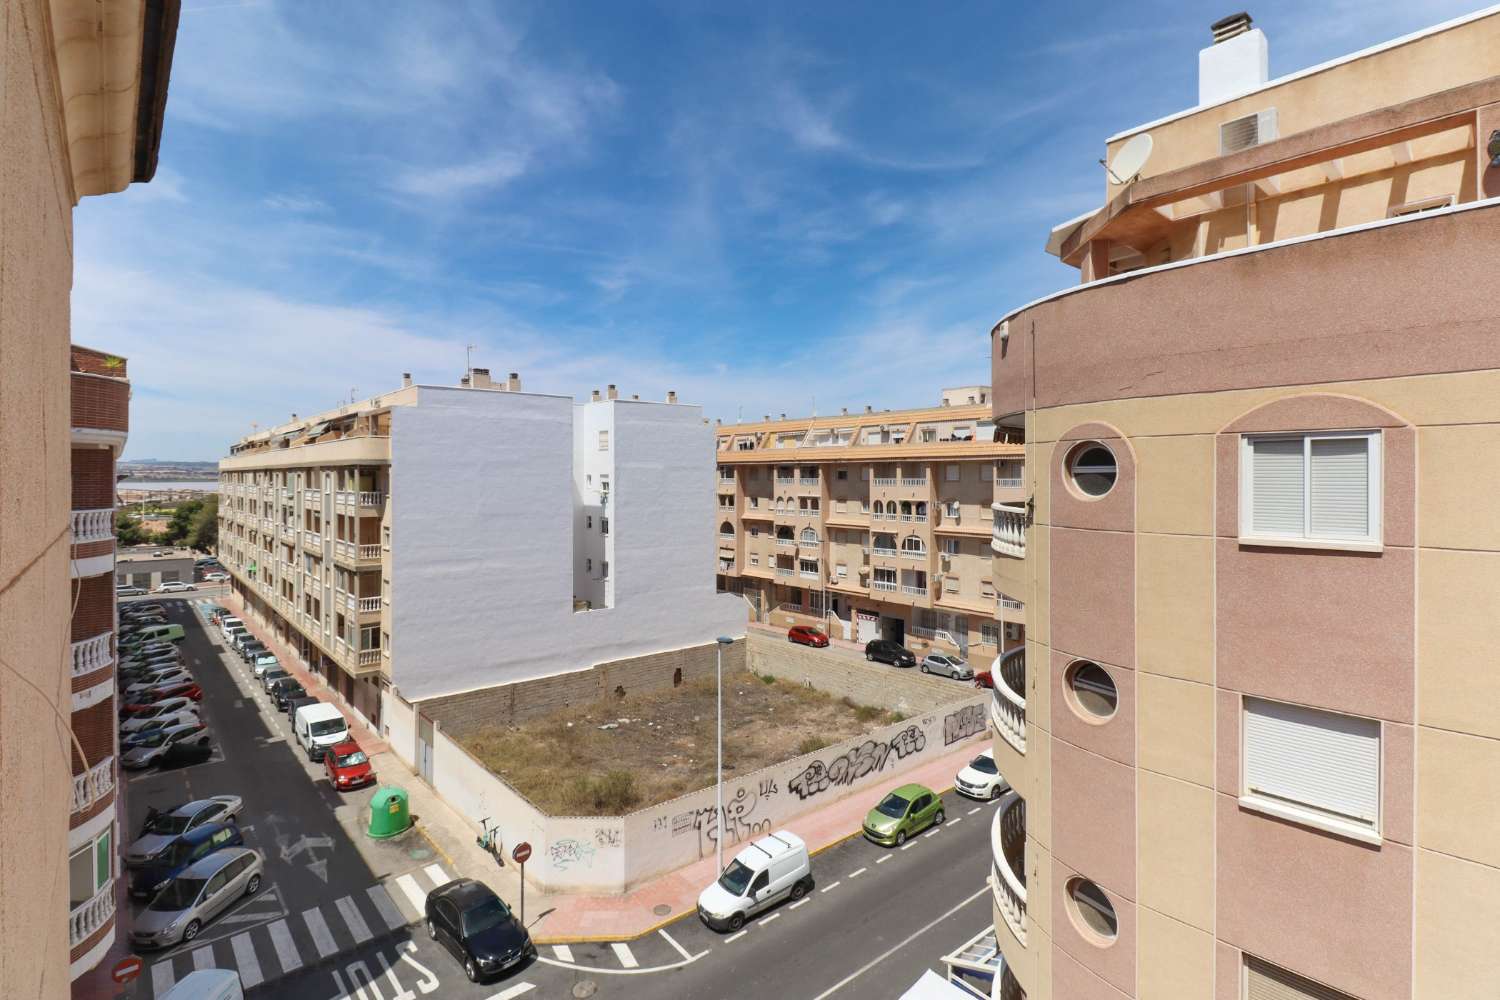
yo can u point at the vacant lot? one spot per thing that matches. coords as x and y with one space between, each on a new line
661 745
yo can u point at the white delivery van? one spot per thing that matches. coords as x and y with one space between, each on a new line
228 624
319 727
207 984
773 868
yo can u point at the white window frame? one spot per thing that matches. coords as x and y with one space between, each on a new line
1372 542
952 472
604 440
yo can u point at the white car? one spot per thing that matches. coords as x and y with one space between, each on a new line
180 717
980 779
129 591
216 577
171 677
174 587
264 663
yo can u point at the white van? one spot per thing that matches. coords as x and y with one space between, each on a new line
228 623
770 870
207 984
319 727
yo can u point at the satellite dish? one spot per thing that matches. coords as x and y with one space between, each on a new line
1131 158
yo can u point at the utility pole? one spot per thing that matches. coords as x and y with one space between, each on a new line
723 641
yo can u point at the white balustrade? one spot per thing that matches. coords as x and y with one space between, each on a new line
1009 538
369 657
369 604
890 585
369 551
92 654
371 499
93 525
1008 837
93 784
88 918
1008 699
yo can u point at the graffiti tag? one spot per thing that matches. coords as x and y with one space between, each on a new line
847 768
739 822
964 723
607 837
568 852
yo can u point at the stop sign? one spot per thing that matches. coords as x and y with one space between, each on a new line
521 853
126 969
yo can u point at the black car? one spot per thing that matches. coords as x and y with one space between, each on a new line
186 751
285 688
250 650
271 676
473 923
292 704
886 651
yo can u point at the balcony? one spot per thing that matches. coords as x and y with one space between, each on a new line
92 654
368 604
369 552
907 588
1008 855
784 571
93 784
100 405
1009 537
808 574
788 543
913 553
88 918
312 539
890 586
371 498
918 481
885 481
808 481
93 525
892 553
369 657
1008 699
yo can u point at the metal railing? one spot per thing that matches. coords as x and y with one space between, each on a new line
1009 533
88 918
1008 699
890 585
1011 603
93 525
92 654
93 784
784 571
1010 482
1007 849
907 588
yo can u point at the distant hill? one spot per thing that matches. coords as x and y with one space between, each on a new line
167 470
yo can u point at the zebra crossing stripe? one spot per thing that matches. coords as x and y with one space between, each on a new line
162 977
563 952
438 876
512 992
286 951
321 935
245 960
389 911
623 953
203 958
414 893
354 919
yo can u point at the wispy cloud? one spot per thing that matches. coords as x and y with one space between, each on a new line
461 179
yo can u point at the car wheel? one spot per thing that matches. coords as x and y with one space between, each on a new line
994 791
431 930
252 886
191 930
937 818
869 657
900 837
925 670
471 970
737 921
799 890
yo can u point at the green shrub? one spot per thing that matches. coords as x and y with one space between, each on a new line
811 745
766 678
867 713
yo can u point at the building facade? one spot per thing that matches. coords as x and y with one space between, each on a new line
84 84
442 539
1250 753
872 525
150 566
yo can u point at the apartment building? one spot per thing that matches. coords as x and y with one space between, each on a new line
436 540
84 85
1252 736
872 525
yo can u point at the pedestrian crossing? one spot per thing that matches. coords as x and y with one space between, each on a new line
284 943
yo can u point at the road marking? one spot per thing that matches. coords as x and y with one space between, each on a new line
767 920
673 942
563 952
245 960
203 958
162 977
510 992
856 874
736 937
414 893
881 861
907 846
933 831
800 902
975 810
830 888
322 937
389 912
623 953
354 919
438 876
957 819
891 951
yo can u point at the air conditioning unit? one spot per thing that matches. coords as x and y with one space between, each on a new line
1250 130
1013 631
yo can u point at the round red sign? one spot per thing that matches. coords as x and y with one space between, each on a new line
521 853
126 969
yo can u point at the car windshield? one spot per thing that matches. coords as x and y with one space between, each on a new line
168 823
736 878
153 738
352 759
984 765
327 726
893 805
487 914
178 895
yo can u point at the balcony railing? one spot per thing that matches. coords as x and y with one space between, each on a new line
1008 700
369 604
808 481
1008 851
919 518
369 657
1011 603
790 543
913 480
369 551
92 654
93 525
809 574
93 784
1009 538
784 571
313 539
879 551
913 553
907 588
890 585
371 499
91 916
885 480
1009 483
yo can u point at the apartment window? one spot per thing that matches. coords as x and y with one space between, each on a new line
588 565
754 532
864 506
1091 691
89 869
1091 912
603 569
603 525
911 543
603 484
369 637
841 506
950 472
986 473
927 434
1321 488
604 440
1314 767
809 536
950 546
841 570
588 521
754 559
754 502
951 509
842 474
989 633
1264 981
1093 470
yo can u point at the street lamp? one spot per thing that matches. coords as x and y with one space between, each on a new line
723 641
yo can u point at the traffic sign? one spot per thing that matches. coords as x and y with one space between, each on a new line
521 853
126 969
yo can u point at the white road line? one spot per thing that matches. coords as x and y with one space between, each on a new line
438 876
673 942
286 951
623 953
414 893
956 819
354 919
891 951
935 830
907 846
857 873
830 888
389 911
800 902
881 861
563 952
767 920
975 810
510 992
203 958
162 977
245 960
318 928
736 937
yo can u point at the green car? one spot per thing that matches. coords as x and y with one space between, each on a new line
903 813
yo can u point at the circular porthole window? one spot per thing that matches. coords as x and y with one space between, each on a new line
1092 691
1092 468
1092 913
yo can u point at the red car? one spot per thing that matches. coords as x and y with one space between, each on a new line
806 635
984 679
348 766
184 689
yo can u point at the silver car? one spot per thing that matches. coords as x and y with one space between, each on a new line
947 664
203 891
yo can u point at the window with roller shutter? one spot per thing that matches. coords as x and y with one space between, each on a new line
1311 489
1264 981
1311 766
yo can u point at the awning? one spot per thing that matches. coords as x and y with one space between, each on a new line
934 987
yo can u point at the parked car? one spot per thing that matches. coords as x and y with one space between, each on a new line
169 632
142 678
188 694
194 748
140 623
144 748
806 635
138 666
771 869
129 591
318 727
144 607
163 826
175 676
137 714
295 703
903 813
228 622
174 587
886 651
980 778
251 649
466 917
283 692
219 576
348 766
240 638
176 717
947 664
272 676
984 680
201 892
184 851
263 663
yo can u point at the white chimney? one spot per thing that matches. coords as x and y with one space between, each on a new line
479 378
1239 60
612 392
513 383
406 380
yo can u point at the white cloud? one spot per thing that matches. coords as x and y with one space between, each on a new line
460 179
295 203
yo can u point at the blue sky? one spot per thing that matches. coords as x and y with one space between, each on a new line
767 207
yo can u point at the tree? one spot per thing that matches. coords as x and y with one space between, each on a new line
203 532
127 531
182 522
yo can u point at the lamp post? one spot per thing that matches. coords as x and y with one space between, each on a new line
723 641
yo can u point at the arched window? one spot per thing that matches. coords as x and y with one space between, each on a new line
906 507
885 542
921 508
879 508
911 543
726 528
785 532
781 503
809 536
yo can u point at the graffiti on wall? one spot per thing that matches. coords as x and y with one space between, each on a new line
866 758
569 853
962 724
607 836
740 820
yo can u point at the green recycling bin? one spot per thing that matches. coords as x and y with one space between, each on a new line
390 812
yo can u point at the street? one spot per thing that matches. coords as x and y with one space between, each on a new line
341 918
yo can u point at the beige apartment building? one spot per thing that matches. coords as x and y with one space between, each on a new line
873 525
83 84
1254 734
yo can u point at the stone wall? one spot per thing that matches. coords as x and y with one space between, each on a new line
840 673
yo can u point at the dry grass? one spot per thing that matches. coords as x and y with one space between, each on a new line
567 766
